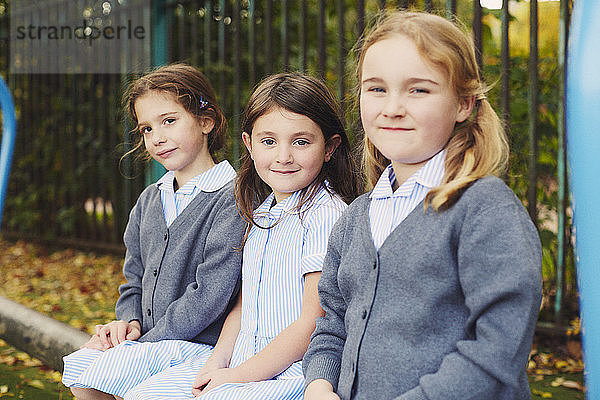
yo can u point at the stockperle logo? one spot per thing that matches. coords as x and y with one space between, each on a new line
79 36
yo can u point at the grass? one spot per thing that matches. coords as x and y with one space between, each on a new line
544 389
22 377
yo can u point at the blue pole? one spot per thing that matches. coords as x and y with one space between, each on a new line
583 150
9 132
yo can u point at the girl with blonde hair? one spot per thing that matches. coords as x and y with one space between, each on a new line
431 285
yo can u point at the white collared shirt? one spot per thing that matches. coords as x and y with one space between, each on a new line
389 208
209 181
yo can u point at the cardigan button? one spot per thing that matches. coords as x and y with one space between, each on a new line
364 314
155 272
375 265
166 236
149 312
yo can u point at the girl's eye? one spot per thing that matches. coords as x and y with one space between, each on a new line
302 142
419 90
268 142
169 121
145 129
376 90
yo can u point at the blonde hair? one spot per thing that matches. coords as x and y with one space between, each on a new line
478 146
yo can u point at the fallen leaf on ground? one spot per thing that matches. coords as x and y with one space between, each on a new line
567 383
545 395
36 383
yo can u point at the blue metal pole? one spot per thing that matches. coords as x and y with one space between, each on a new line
9 133
583 147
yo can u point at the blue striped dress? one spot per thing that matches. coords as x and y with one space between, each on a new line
275 261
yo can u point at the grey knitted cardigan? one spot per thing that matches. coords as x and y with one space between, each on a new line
181 279
445 310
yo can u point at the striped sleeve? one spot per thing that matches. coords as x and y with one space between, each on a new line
319 224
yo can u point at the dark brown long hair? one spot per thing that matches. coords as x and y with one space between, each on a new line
308 96
191 89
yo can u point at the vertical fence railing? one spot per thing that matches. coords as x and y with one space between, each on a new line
236 81
505 57
66 186
321 39
235 43
303 35
342 52
562 170
476 26
533 106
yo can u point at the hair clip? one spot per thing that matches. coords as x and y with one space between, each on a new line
203 103
481 96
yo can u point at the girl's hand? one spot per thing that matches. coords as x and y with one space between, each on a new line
116 332
93 343
212 364
206 381
320 389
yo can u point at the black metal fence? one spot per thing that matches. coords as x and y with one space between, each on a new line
67 183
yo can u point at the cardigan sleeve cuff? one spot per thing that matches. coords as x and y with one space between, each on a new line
323 367
129 313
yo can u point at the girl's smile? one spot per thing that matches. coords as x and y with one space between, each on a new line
288 150
398 129
166 153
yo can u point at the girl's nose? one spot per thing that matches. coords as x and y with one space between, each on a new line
157 137
284 155
394 106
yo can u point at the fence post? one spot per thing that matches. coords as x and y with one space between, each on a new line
562 171
505 57
533 112
159 57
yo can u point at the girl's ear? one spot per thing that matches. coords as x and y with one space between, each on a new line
207 124
331 145
247 142
465 108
